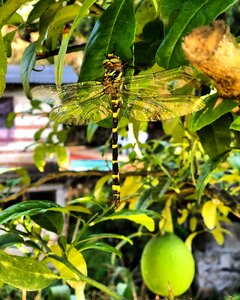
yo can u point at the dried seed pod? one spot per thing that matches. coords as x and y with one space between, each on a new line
214 51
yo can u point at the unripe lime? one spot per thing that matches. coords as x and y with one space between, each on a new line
166 263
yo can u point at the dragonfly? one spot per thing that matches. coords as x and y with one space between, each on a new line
144 97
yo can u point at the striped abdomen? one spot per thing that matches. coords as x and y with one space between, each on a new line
113 86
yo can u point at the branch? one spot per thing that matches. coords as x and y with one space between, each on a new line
54 52
216 53
96 173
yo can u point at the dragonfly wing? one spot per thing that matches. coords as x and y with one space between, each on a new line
160 96
76 104
162 107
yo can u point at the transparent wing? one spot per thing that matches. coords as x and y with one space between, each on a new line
78 104
160 96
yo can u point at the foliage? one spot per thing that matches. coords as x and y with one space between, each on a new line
184 181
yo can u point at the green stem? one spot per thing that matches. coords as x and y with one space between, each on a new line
87 279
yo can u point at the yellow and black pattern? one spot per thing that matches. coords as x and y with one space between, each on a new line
113 87
149 97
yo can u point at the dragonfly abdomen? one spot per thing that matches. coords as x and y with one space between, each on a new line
113 84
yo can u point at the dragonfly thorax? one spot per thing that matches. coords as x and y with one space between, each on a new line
113 67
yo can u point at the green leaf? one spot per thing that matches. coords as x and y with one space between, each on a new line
38 133
30 208
25 272
99 236
212 111
10 119
63 49
77 259
25 178
38 9
50 220
62 156
101 247
7 40
26 66
59 292
236 124
145 13
39 156
216 137
63 16
46 19
113 33
91 129
3 64
137 216
206 172
15 19
10 239
8 9
181 17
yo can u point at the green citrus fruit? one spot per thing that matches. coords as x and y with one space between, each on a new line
167 264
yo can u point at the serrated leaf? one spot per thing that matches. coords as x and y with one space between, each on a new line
209 214
137 216
27 63
25 272
180 17
31 207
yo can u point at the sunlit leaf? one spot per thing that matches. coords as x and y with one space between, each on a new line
166 222
139 217
209 214
25 272
3 66
190 238
102 247
30 207
76 258
62 156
